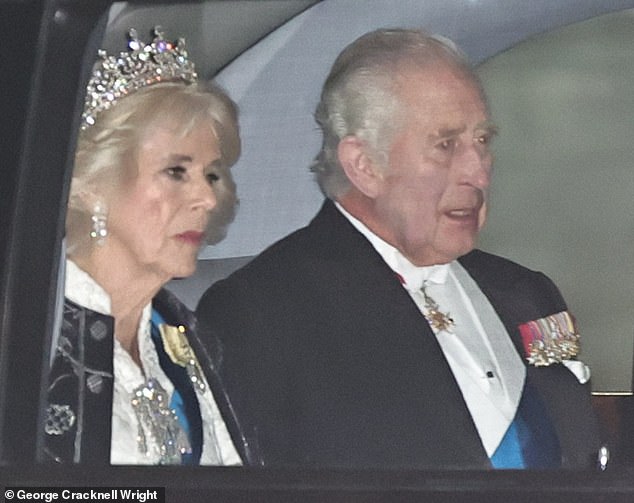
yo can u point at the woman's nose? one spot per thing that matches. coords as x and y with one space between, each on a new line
205 197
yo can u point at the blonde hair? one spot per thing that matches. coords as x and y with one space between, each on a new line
105 148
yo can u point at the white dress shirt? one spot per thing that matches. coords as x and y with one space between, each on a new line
218 448
480 353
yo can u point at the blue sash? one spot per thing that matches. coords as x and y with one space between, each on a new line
184 400
530 441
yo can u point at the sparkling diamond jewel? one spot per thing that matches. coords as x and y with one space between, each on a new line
114 77
158 421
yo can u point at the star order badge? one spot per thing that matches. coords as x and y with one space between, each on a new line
438 320
551 339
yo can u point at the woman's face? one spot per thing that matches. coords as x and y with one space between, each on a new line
157 219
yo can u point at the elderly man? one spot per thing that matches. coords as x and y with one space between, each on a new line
377 337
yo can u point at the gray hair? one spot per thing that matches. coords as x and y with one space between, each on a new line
103 148
360 96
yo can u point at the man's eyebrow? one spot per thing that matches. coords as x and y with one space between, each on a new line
488 126
446 132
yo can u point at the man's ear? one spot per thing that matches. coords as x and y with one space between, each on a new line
358 166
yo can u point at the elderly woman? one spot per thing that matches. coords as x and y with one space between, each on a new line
129 382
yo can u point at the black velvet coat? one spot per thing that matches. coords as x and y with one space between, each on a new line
329 362
79 398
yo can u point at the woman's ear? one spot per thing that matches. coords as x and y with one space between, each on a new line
84 195
358 166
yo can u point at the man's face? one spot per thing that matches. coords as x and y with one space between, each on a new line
431 200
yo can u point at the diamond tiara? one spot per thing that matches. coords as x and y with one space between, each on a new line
114 77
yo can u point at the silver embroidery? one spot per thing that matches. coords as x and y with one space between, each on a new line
59 419
94 383
98 330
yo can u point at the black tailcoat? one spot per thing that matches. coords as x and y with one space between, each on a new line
329 362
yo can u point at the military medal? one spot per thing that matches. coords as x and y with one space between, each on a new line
551 339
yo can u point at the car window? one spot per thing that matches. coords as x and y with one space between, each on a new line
562 191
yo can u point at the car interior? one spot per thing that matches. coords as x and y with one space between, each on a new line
558 75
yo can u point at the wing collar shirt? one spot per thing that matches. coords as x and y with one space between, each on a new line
477 347
218 449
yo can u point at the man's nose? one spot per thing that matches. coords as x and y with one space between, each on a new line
476 166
